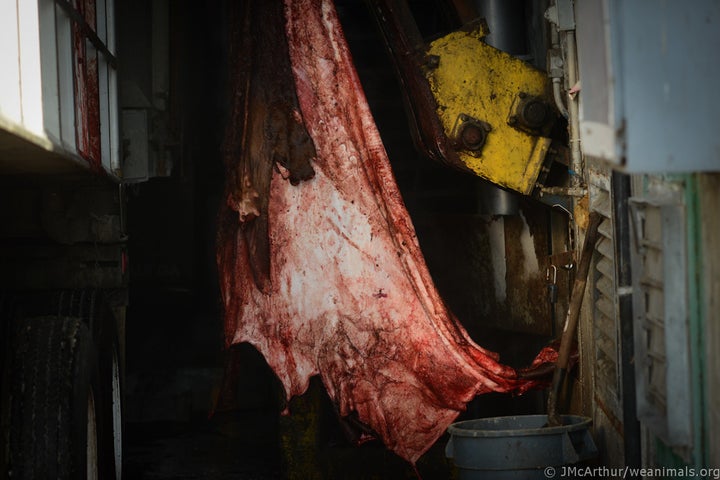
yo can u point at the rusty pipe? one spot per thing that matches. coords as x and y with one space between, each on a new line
573 315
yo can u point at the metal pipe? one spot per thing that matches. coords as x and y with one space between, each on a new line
569 191
555 72
506 22
573 109
558 100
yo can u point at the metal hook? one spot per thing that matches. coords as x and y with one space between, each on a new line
557 205
547 274
571 232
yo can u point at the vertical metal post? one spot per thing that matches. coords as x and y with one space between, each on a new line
631 425
506 22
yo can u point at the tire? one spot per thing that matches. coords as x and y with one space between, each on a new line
91 306
54 400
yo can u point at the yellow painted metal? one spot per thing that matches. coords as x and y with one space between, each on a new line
473 79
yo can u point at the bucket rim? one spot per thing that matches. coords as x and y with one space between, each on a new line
579 423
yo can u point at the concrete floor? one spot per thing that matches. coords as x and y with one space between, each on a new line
238 446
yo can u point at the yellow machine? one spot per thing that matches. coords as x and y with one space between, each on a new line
497 124
474 106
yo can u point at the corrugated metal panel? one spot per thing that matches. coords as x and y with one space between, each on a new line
605 311
606 356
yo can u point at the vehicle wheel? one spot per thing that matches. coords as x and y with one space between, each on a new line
110 425
92 307
54 400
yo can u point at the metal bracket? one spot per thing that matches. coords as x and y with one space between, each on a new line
562 14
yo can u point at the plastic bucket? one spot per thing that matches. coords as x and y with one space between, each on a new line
518 447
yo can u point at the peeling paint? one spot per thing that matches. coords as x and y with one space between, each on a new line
530 265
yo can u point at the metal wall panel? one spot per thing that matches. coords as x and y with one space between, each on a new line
709 199
648 101
662 344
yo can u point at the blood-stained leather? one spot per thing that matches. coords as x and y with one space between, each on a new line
347 295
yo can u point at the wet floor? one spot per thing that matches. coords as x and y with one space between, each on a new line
238 446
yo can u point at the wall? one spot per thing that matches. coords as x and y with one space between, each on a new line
709 200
